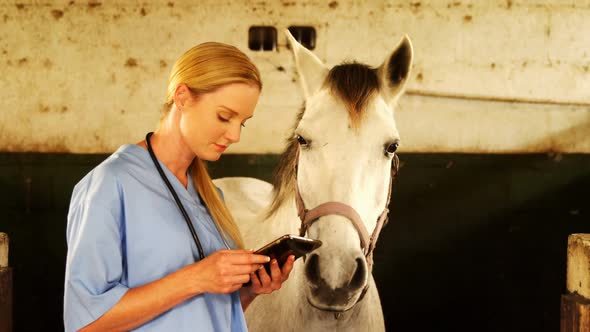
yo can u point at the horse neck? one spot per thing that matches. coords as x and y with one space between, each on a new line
285 219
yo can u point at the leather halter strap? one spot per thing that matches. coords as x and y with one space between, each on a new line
368 243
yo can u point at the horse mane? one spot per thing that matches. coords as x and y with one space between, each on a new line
354 84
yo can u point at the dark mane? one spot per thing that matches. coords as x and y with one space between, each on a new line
354 84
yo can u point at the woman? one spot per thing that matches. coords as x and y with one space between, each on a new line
141 258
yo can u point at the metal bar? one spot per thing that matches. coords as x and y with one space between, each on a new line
434 94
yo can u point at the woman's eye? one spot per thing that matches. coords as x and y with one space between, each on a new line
391 148
222 119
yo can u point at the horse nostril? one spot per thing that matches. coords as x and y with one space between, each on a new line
312 269
359 277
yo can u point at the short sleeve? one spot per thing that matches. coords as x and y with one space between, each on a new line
94 266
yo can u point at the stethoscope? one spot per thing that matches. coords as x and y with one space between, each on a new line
178 202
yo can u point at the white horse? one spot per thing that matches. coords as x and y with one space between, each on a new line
342 150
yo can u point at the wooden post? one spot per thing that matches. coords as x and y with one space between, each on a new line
5 286
575 305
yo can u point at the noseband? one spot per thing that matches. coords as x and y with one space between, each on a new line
308 217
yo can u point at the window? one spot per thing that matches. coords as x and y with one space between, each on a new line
262 38
304 35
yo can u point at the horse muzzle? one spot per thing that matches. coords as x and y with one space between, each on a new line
334 297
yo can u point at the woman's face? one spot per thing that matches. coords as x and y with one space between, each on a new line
212 122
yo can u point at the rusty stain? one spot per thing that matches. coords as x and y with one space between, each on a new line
548 31
281 68
333 4
585 68
415 5
47 63
131 62
6 17
4 51
57 14
170 4
22 61
493 65
288 3
20 6
419 77
122 111
64 109
116 16
142 11
70 3
94 3
467 18
524 64
113 78
163 64
508 4
43 108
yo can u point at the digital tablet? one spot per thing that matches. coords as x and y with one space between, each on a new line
286 245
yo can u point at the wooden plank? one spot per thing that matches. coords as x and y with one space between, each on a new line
575 306
3 250
578 264
575 313
5 286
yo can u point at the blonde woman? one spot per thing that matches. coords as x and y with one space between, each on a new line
151 245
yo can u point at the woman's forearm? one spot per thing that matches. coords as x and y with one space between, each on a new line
142 304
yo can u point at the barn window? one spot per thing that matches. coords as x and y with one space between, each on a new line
304 35
262 38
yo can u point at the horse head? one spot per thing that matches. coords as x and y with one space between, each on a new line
342 151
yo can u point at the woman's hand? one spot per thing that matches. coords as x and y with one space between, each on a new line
225 271
262 283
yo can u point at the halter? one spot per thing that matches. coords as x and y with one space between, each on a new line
308 217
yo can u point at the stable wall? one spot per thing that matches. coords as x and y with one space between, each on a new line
488 76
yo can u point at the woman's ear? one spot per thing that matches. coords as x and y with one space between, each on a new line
182 95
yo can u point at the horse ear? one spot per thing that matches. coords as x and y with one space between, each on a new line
394 72
312 71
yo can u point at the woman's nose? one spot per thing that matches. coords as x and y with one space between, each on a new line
233 133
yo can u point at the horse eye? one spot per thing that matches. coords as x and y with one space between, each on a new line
391 148
301 140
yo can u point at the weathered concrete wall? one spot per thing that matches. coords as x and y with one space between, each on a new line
493 76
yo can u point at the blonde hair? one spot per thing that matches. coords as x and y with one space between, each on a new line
205 68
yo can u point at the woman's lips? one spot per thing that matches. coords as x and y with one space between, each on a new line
221 147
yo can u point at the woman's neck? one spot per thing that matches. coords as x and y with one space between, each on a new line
170 148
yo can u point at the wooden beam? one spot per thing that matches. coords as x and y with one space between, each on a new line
575 306
5 286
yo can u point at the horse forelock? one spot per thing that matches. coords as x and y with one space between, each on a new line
354 84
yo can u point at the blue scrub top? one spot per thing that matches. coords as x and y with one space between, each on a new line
125 230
